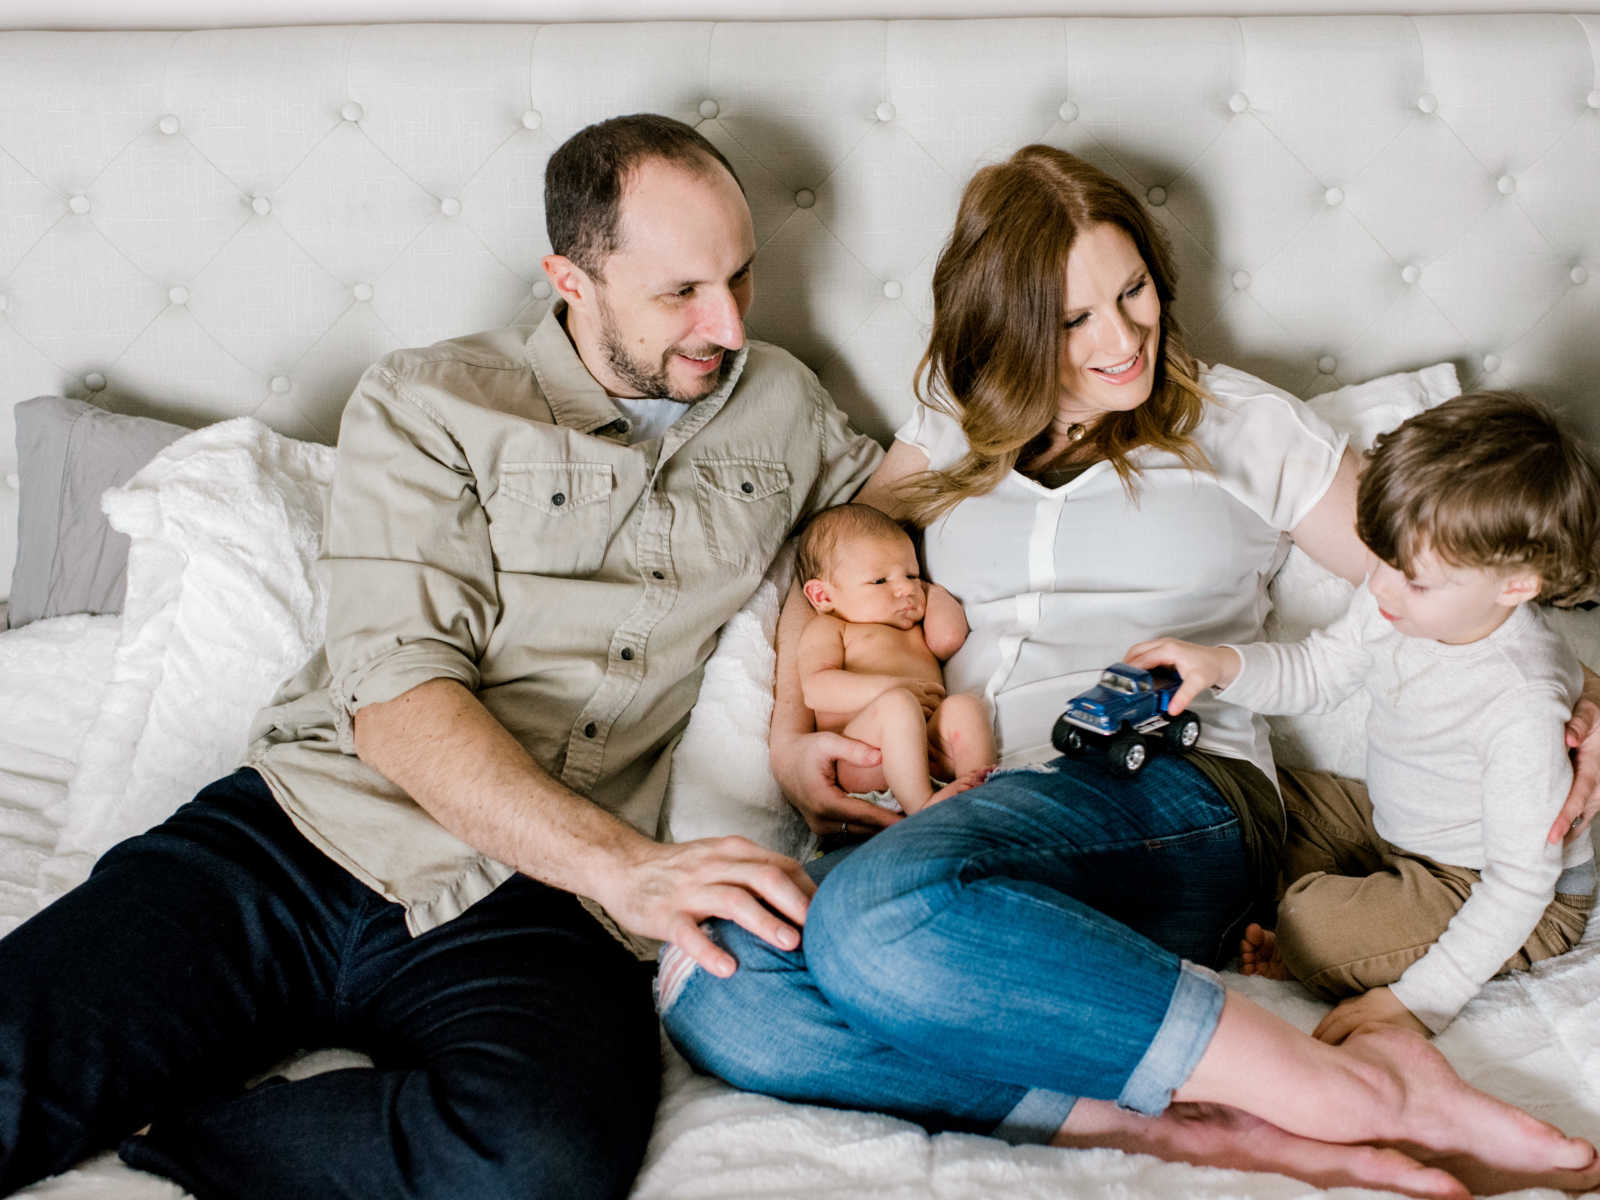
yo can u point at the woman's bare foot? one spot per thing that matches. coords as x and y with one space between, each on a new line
1382 1086
961 783
1215 1135
1441 1120
1258 954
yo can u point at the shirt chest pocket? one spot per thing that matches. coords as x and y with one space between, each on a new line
551 518
744 508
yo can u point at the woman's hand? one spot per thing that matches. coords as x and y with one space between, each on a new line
1200 666
1583 737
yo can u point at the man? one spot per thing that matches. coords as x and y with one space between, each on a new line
532 541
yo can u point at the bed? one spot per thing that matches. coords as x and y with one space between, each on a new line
217 230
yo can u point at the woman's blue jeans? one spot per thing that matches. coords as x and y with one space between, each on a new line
978 965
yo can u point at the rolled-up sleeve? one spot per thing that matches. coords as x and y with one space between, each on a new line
406 552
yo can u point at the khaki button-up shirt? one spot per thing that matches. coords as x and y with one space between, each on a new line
489 523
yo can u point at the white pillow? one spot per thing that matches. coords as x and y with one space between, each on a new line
721 782
1306 596
222 605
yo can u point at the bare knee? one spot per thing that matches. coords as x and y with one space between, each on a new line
899 706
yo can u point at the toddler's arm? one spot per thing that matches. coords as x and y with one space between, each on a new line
944 624
1312 675
1525 778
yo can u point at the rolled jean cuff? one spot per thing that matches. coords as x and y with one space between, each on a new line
1185 1032
1035 1119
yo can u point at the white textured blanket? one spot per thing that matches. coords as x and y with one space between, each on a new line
238 507
1532 1038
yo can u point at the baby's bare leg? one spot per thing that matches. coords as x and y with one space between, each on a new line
960 729
894 723
1258 954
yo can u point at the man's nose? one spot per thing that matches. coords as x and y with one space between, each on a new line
721 323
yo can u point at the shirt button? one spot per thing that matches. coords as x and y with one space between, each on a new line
627 654
590 729
558 499
657 574
747 487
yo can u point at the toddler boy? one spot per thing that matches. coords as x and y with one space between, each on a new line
1408 902
869 662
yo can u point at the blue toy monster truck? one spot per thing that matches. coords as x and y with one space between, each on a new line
1125 714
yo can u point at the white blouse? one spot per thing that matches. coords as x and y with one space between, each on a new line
1057 583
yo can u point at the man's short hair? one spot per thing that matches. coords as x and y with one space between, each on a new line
820 536
1486 480
586 176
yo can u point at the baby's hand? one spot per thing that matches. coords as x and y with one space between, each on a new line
1200 666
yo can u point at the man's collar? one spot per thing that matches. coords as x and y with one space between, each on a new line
576 399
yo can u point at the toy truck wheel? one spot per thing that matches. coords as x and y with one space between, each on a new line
1182 733
1126 754
1067 738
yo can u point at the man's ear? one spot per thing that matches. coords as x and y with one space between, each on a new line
571 282
817 592
1518 587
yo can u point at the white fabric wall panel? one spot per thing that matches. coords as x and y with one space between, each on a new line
200 225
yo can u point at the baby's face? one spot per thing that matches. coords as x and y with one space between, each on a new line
875 580
1442 601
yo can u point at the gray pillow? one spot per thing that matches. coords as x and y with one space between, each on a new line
69 560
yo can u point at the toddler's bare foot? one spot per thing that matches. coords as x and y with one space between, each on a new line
1258 954
961 783
1438 1118
1215 1135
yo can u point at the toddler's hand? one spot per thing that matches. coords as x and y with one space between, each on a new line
1377 1007
1200 666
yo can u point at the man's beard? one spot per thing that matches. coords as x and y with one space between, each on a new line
651 379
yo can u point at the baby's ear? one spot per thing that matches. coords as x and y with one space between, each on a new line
1519 587
817 592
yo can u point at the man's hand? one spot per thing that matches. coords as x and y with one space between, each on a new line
1583 798
1377 1007
1200 666
807 769
667 890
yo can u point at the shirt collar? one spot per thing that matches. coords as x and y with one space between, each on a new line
577 400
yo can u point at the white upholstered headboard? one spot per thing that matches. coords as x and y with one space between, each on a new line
208 224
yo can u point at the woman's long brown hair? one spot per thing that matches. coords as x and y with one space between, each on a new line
999 295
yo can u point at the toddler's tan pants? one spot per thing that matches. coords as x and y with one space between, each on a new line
1358 911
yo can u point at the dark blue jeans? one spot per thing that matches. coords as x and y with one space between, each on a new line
974 967
515 1047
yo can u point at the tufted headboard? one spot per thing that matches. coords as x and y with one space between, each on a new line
207 224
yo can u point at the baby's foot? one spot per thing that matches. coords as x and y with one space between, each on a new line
962 783
1258 954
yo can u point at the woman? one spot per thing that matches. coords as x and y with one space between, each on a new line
1082 486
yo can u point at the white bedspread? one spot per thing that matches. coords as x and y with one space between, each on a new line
1532 1038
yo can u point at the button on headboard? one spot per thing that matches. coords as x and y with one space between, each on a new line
207 224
